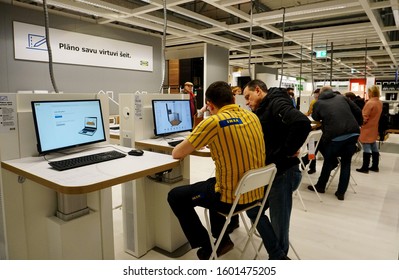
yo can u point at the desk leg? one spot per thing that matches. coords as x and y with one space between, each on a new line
88 237
26 208
71 206
148 220
33 232
166 230
134 219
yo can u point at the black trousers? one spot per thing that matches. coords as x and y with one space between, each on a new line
183 201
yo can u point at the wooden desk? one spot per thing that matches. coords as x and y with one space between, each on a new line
92 177
32 229
160 144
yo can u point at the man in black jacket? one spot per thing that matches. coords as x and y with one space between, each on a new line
340 122
285 130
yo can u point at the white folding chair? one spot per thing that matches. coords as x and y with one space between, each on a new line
312 141
251 180
335 171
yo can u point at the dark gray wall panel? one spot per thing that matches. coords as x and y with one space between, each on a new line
18 75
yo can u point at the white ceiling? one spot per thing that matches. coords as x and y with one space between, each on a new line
359 35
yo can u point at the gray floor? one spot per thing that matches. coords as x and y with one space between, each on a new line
365 226
391 145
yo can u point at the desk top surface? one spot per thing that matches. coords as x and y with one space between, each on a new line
162 145
92 177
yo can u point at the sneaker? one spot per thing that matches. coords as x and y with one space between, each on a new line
339 196
318 189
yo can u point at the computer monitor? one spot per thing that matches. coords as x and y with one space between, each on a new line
62 124
171 116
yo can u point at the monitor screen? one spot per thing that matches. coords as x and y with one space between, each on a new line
171 116
65 124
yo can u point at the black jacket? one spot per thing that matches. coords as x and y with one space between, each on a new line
284 127
338 115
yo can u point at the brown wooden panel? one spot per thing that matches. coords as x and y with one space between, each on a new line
174 75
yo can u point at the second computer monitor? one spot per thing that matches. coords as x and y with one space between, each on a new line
171 116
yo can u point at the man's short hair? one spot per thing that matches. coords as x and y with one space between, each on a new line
326 88
350 95
256 83
220 94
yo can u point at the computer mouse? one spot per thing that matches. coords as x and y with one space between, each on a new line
136 152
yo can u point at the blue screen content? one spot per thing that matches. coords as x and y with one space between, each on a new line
67 123
171 116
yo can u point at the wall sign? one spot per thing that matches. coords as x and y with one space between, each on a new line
76 48
8 112
321 54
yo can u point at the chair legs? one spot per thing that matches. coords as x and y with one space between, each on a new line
215 246
250 231
305 171
295 252
313 186
261 245
300 198
335 173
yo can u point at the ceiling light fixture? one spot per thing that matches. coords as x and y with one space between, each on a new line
69 7
395 11
396 17
295 12
99 5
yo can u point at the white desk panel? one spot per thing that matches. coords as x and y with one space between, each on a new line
92 177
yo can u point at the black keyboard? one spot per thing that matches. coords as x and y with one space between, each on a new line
175 142
70 163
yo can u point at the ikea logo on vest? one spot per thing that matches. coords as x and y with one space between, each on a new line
228 122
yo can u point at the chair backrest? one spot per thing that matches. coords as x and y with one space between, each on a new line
313 136
256 178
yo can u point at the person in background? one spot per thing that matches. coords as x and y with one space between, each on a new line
236 90
340 122
356 99
291 93
316 97
305 159
285 129
369 131
298 103
235 139
188 89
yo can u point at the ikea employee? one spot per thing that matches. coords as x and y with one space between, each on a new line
235 139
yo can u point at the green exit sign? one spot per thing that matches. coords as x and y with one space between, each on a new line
321 54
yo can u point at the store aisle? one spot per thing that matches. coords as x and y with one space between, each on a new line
365 226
